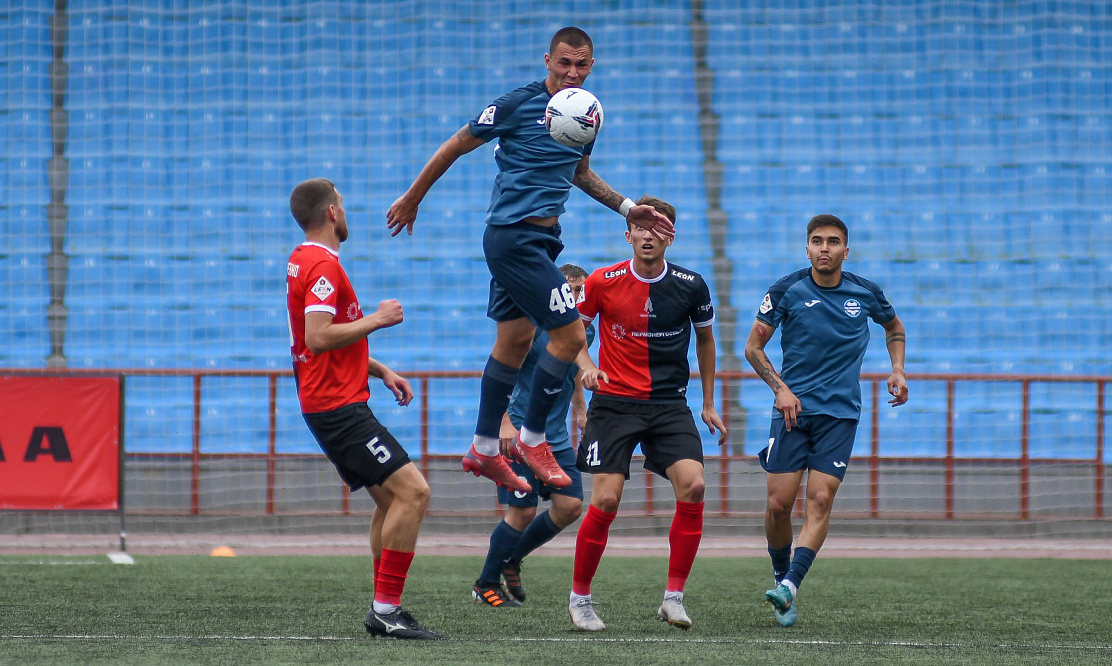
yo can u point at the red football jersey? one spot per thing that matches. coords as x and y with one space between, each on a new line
644 328
315 282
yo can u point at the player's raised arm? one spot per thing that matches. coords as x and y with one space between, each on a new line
786 402
403 212
643 216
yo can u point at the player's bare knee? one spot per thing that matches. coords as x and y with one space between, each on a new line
691 490
566 515
606 502
821 502
779 507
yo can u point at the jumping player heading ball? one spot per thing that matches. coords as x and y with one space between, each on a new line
521 244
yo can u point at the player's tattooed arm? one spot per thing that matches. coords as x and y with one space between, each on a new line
786 402
759 336
895 338
594 186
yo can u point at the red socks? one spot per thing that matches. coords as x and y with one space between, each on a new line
590 542
390 574
683 543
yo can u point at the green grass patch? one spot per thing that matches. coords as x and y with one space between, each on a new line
169 609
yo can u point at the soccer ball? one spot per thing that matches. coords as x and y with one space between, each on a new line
573 117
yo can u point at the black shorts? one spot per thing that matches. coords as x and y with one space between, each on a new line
362 449
665 431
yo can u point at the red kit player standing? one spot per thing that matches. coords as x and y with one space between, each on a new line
646 308
328 342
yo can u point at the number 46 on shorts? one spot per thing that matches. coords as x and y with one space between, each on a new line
561 299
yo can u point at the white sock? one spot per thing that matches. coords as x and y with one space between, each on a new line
530 438
383 608
791 586
674 595
577 598
485 446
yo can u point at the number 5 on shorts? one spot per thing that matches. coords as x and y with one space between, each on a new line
380 452
561 299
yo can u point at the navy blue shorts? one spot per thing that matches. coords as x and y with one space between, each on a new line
817 442
525 281
362 449
566 459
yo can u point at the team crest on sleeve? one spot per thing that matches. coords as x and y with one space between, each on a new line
487 116
322 289
766 304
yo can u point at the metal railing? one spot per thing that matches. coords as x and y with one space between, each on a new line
874 460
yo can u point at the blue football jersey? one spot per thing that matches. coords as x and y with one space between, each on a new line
824 332
534 170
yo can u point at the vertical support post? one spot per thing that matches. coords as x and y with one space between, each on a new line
123 460
874 457
724 452
949 449
1025 455
425 426
1098 463
271 441
195 472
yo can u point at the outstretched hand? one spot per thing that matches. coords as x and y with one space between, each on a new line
653 221
402 215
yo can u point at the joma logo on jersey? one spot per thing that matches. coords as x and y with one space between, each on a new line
614 274
683 276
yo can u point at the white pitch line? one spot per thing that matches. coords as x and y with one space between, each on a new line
50 563
708 641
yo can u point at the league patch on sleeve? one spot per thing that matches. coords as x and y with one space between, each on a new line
487 116
322 289
766 304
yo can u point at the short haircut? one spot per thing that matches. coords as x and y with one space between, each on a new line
573 37
310 199
573 272
827 220
663 207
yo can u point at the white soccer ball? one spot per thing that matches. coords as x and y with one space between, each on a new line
573 117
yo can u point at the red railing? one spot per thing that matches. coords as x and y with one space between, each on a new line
725 381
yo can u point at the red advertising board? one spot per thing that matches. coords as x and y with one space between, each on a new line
59 443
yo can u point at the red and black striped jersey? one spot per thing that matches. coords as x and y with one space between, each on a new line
644 329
